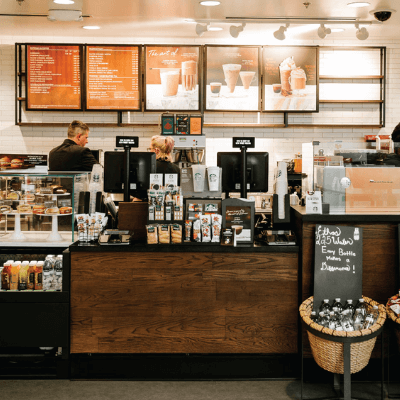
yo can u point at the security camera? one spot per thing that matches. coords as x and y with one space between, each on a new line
382 14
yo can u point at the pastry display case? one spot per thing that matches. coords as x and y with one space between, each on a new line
354 178
39 209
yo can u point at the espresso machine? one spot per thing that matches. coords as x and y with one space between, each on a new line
188 150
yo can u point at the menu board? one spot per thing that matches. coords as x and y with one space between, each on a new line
232 78
53 77
172 78
290 78
112 78
338 264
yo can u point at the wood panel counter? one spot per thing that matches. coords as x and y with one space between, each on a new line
184 299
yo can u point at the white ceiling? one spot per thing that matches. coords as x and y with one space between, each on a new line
167 18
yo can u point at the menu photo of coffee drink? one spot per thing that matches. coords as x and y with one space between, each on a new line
232 78
172 78
290 78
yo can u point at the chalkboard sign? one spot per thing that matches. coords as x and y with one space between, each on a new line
338 264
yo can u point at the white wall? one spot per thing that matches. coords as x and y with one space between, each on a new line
281 143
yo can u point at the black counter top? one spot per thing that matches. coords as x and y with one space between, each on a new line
387 217
182 248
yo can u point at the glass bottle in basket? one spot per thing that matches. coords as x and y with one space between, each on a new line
349 306
347 321
323 319
325 307
314 316
335 321
358 319
371 317
337 303
332 320
361 304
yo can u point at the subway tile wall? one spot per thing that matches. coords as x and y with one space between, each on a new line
281 143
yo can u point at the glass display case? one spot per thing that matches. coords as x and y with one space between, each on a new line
353 177
38 209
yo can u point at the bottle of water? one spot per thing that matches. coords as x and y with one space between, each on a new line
323 319
314 316
347 321
338 305
358 319
48 272
325 307
332 320
349 306
58 272
361 305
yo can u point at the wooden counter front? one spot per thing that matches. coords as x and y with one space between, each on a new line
184 302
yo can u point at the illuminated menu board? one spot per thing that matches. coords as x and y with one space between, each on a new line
112 81
53 77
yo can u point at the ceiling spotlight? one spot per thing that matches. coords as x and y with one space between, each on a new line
361 33
322 31
280 33
200 29
210 3
235 30
358 4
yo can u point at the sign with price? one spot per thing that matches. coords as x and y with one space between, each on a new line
338 264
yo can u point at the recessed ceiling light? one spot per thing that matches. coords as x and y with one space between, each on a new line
337 30
91 27
210 3
214 28
359 4
64 1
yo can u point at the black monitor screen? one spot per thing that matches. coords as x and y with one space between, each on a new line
141 166
257 171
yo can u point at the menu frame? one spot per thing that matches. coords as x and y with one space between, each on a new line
86 74
316 48
81 76
199 74
205 77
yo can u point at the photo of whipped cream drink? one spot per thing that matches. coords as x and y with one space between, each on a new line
285 69
246 77
169 82
189 75
297 80
231 72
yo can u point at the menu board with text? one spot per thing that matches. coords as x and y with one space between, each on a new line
112 77
232 80
172 76
53 77
290 78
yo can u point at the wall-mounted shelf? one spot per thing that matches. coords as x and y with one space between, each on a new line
351 101
351 77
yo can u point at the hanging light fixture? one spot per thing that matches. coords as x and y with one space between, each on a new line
235 30
280 33
200 29
322 31
361 33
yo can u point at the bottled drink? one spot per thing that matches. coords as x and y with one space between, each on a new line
332 323
325 307
358 319
347 321
323 319
6 276
23 276
349 306
58 272
362 306
31 275
314 316
369 321
335 322
16 265
48 273
39 275
338 305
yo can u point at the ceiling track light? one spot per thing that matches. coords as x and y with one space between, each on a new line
280 33
235 30
322 31
361 33
200 29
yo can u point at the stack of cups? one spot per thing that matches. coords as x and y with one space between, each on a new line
198 177
213 178
281 187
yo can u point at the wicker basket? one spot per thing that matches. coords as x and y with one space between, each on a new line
328 354
396 319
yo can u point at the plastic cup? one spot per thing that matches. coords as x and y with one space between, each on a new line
213 178
198 177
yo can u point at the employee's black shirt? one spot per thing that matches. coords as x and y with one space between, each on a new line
71 157
167 167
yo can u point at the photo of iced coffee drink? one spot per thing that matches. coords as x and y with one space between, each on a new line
297 81
246 77
285 69
189 76
231 72
169 82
